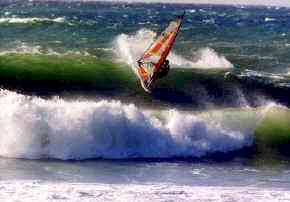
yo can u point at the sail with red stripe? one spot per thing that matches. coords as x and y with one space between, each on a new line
156 54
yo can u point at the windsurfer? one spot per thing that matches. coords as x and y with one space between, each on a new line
153 64
163 70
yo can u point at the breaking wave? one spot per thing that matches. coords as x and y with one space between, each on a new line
265 78
24 48
35 128
129 48
19 20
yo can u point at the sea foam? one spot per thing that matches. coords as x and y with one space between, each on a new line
66 191
25 48
129 48
35 128
19 20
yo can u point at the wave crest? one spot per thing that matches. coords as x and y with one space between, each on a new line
129 48
19 20
24 48
35 128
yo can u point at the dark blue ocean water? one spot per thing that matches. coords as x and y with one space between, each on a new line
250 37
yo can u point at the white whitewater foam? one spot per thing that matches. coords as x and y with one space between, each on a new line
261 74
24 48
62 191
191 11
268 19
31 128
207 58
129 49
19 20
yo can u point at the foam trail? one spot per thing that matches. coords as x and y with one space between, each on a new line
129 48
31 127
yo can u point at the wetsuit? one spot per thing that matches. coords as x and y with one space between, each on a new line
163 70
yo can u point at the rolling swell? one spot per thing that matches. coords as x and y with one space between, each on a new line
88 76
39 73
55 75
272 86
35 128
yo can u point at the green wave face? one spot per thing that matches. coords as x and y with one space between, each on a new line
269 126
42 72
88 76
274 131
45 74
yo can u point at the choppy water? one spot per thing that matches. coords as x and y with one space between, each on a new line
220 118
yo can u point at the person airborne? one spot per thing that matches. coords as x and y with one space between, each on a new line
163 70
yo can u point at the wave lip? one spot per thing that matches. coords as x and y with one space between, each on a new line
34 128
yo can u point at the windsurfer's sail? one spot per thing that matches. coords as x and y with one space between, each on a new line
156 54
